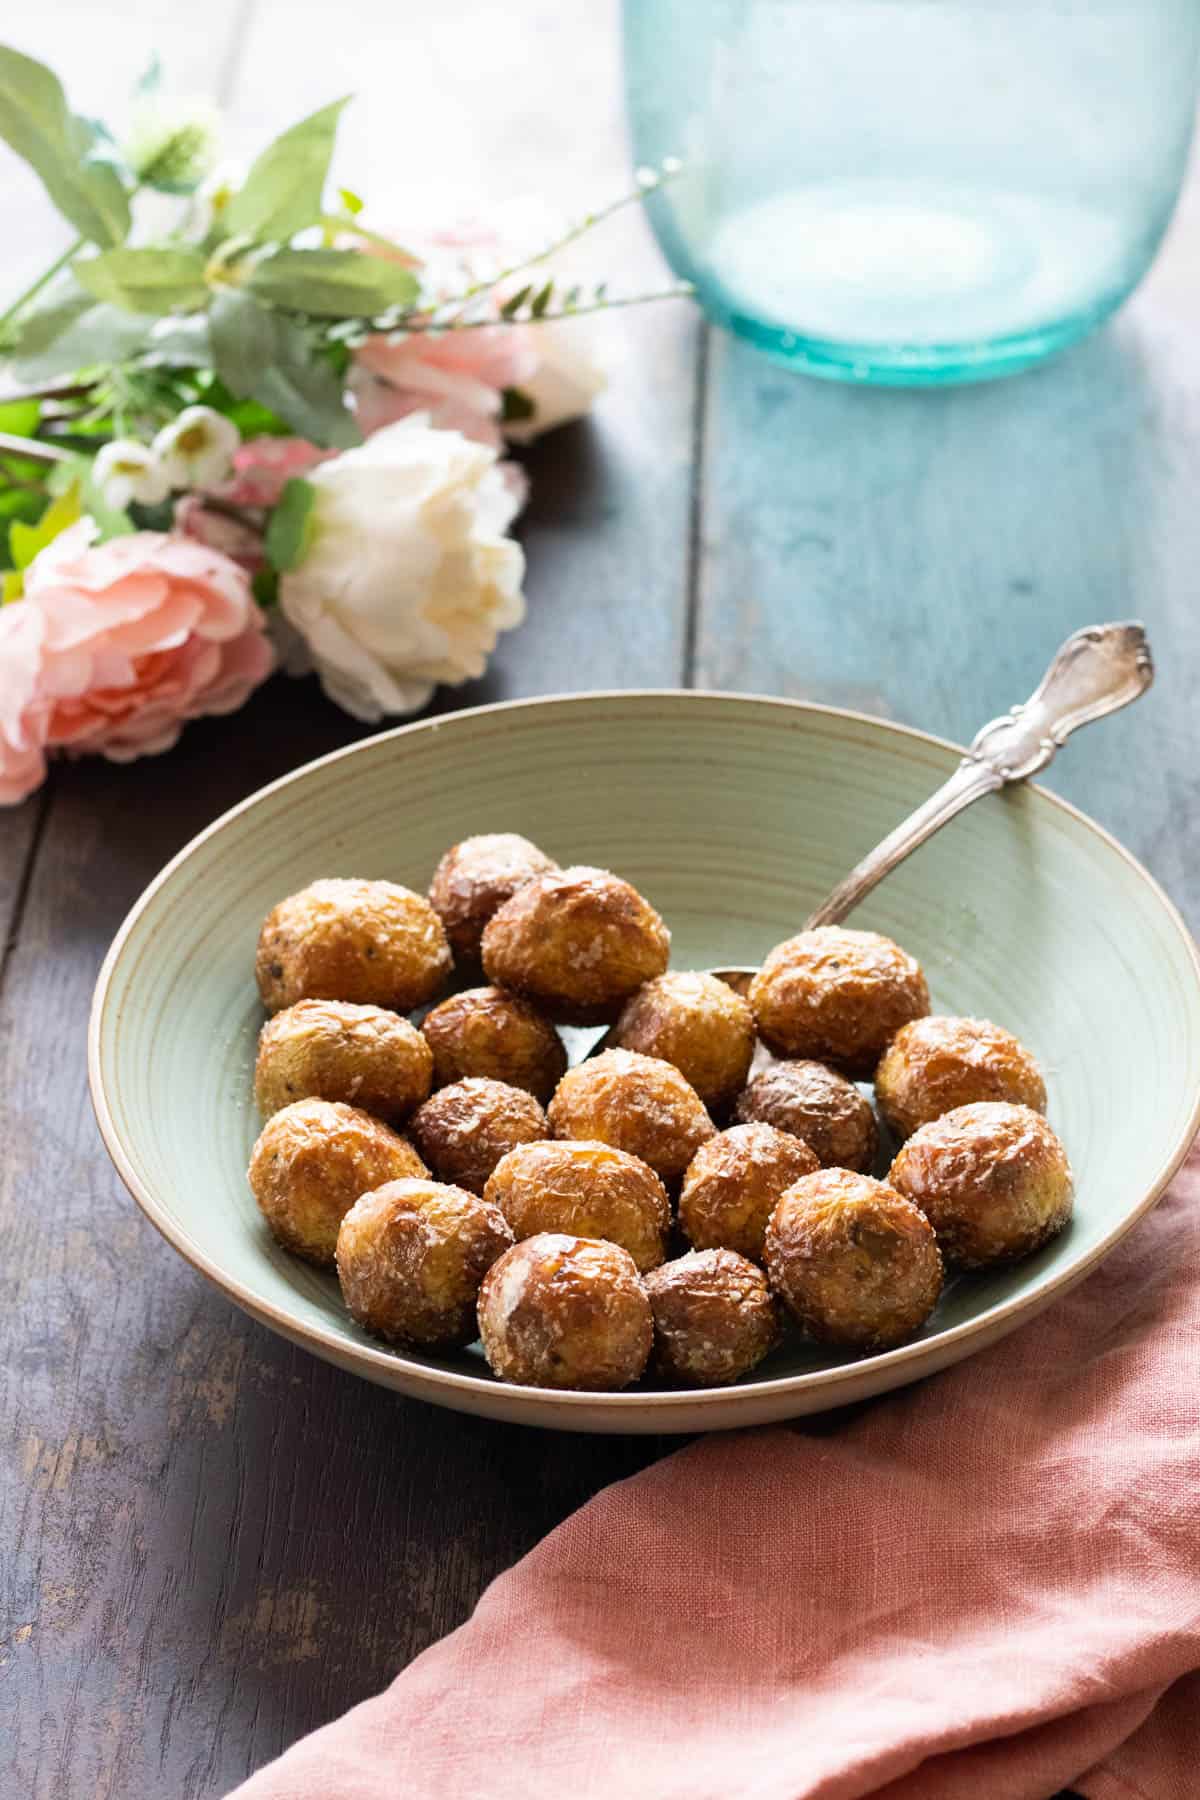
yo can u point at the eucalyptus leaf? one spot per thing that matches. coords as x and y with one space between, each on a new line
39 323
36 121
150 280
332 283
180 343
261 356
286 184
97 335
290 526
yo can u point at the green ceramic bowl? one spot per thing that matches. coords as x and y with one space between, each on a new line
735 816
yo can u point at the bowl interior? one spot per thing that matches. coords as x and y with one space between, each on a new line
735 816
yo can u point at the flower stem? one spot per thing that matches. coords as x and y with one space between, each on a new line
35 287
31 449
579 229
431 327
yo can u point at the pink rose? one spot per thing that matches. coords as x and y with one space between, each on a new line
116 646
458 379
263 466
22 712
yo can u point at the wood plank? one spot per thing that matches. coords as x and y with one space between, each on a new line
218 1543
921 554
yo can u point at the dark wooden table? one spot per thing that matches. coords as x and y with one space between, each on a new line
211 1541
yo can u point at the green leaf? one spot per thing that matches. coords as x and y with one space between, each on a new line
39 324
36 121
515 302
290 527
265 586
332 283
261 356
12 586
19 418
284 189
541 300
352 202
96 336
147 280
515 406
150 80
180 343
25 541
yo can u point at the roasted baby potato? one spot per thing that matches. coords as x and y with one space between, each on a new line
992 1178
837 996
577 942
369 942
853 1260
558 1311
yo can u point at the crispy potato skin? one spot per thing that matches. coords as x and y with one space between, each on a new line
696 1022
636 1103
312 1161
815 1103
559 1311
330 1050
584 1190
463 1130
992 1178
853 1260
732 1185
484 1031
577 942
714 1318
836 996
934 1064
368 942
474 879
410 1259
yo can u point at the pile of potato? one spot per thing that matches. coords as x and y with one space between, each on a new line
537 1207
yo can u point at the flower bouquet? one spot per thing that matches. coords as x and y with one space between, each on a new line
266 433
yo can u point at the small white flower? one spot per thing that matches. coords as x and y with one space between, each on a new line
196 449
409 576
211 200
126 471
563 385
172 143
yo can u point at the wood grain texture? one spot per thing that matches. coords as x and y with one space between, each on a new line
216 1543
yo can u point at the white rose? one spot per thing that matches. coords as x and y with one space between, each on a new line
564 385
408 577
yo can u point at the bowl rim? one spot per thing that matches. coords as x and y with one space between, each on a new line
343 1349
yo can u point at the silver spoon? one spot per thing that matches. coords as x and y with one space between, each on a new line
1097 671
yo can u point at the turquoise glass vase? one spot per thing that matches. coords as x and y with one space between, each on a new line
912 191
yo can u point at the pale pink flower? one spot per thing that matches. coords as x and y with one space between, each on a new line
23 712
116 646
263 466
217 531
457 379
261 470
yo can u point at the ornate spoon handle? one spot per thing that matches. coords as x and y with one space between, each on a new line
1097 671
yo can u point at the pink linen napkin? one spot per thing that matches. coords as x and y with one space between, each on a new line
986 1586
